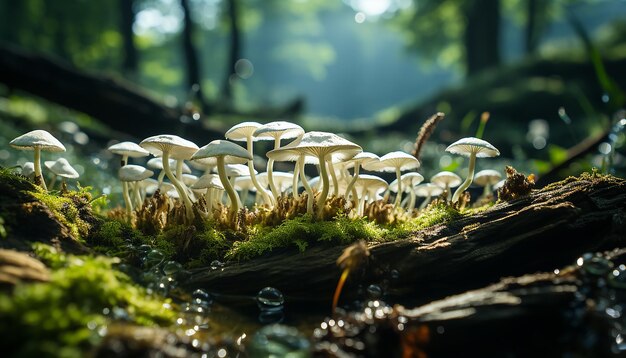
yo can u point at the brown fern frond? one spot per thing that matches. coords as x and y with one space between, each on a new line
425 132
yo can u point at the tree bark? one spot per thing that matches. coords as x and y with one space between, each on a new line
194 77
234 53
130 62
547 229
482 35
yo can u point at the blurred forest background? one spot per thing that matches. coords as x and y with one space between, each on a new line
551 73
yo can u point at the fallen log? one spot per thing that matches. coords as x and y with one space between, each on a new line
540 232
573 311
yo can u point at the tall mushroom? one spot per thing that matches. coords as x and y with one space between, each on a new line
394 162
225 151
322 146
38 140
244 132
277 130
132 173
409 181
473 148
358 160
166 146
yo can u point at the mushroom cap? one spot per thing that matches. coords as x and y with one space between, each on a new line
237 170
283 180
28 169
241 131
428 189
363 158
469 145
37 138
157 163
371 182
390 161
487 176
61 167
279 129
409 180
244 183
499 184
128 148
208 181
133 172
446 178
316 144
178 147
189 179
232 153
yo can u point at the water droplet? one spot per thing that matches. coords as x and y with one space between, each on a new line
374 292
144 248
172 268
395 274
278 341
594 265
201 298
153 258
215 264
270 299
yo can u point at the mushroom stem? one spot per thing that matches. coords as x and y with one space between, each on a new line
244 196
305 183
468 181
232 195
411 205
321 201
342 280
448 192
426 201
270 173
333 175
399 195
361 208
38 178
294 183
177 184
256 184
127 202
160 179
357 166
137 194
53 181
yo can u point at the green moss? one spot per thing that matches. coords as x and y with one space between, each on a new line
113 237
302 231
64 314
434 214
65 208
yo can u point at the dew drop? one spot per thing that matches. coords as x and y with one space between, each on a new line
269 299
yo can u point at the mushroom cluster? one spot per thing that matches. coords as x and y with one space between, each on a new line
228 168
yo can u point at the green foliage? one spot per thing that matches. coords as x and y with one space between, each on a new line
434 214
62 317
64 208
112 238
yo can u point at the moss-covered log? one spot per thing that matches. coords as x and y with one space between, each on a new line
542 231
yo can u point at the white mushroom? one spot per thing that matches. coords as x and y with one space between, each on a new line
212 183
394 162
128 149
60 168
132 173
427 190
277 131
473 148
244 132
446 180
157 164
28 170
230 152
409 181
171 146
368 185
362 158
38 140
486 178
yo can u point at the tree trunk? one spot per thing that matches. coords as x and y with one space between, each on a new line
130 63
234 53
194 78
547 229
482 35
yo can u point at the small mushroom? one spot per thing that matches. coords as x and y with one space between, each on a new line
486 178
131 174
409 181
427 190
38 140
225 151
394 162
367 186
28 170
473 148
277 131
210 182
357 161
166 146
157 164
282 180
245 132
60 168
446 180
128 149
